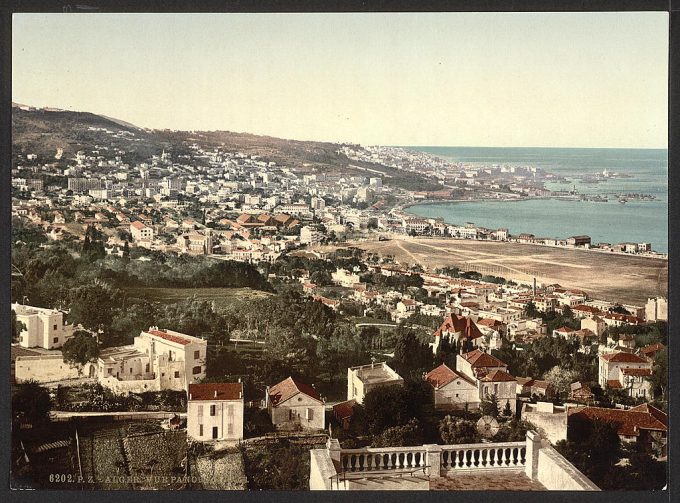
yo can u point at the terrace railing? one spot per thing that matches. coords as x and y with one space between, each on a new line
383 460
466 457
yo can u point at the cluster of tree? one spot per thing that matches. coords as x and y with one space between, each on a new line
649 333
31 403
398 282
16 326
595 448
295 266
41 269
93 245
278 465
536 359
411 357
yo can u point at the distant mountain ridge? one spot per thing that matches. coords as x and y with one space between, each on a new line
44 131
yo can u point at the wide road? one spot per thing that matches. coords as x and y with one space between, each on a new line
628 279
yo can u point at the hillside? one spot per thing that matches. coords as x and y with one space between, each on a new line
44 131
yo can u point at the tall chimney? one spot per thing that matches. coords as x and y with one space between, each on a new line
534 287
215 393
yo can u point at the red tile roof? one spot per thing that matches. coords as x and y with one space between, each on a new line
586 309
479 359
637 372
613 383
565 329
441 376
629 422
656 413
138 225
627 318
216 391
488 322
652 349
288 388
497 376
344 410
170 337
463 324
623 357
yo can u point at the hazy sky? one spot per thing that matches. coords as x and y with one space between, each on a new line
487 79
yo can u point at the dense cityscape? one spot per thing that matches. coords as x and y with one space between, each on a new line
214 310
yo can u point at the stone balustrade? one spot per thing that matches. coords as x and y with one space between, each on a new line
509 455
393 459
333 467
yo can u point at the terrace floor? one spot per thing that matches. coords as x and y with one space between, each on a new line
486 481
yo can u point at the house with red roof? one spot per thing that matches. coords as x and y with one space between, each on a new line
141 232
530 386
627 371
651 350
215 412
619 320
458 329
580 392
452 390
584 311
644 424
564 332
294 405
344 411
490 376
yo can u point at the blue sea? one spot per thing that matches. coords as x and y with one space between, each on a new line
610 222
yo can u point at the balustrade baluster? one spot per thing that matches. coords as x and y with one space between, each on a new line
483 458
499 457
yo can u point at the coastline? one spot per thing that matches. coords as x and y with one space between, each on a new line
448 220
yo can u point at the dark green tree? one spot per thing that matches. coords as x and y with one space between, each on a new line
17 327
31 403
456 430
80 349
409 434
489 406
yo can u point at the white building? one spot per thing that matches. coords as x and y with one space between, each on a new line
345 278
215 412
452 390
45 328
364 378
627 371
656 309
141 232
158 360
292 404
490 375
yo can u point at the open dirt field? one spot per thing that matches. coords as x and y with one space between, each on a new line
608 276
